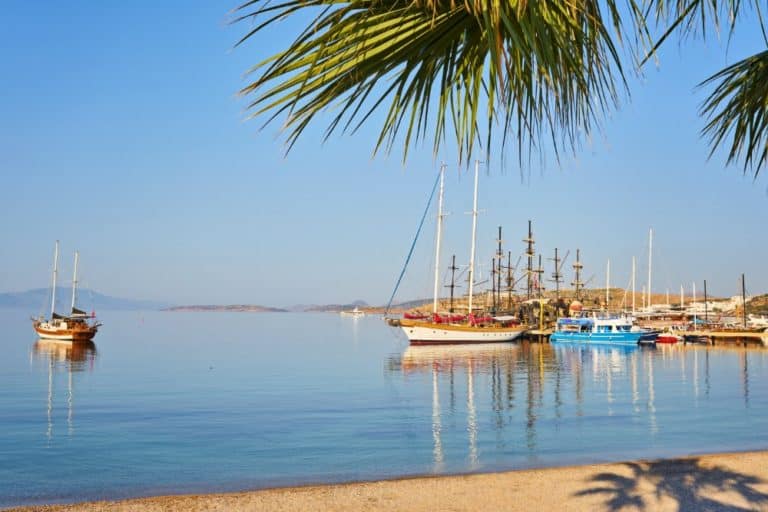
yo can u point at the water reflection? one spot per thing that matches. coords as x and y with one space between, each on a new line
517 395
66 358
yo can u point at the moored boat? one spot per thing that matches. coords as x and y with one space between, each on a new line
449 328
78 326
605 331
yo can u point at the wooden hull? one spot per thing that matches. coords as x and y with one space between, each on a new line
427 333
66 334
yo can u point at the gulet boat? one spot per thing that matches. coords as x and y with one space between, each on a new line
78 326
440 328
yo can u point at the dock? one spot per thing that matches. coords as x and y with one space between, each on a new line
743 337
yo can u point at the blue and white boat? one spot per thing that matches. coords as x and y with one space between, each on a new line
603 331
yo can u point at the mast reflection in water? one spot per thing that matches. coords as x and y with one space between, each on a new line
519 405
67 358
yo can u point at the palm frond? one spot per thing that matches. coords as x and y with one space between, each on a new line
531 69
737 111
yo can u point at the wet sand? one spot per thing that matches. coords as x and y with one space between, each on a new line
735 481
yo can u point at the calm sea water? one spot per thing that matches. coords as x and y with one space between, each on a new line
200 402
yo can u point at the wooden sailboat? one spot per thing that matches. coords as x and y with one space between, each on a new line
78 326
446 329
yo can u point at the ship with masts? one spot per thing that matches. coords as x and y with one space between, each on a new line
448 327
78 326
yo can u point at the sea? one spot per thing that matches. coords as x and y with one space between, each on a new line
186 402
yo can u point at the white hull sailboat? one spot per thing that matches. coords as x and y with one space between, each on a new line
438 330
77 327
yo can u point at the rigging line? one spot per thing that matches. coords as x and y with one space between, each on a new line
413 244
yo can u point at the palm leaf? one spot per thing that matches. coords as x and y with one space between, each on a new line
544 70
737 110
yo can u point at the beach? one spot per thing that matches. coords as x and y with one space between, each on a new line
732 481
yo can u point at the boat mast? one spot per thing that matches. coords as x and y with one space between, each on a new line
693 304
577 268
556 276
474 235
55 276
499 257
539 278
706 308
633 285
453 280
439 236
650 262
608 286
74 282
510 283
682 297
744 301
529 253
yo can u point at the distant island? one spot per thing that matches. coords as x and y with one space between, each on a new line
237 308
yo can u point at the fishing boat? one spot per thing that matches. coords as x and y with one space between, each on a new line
603 331
78 326
447 328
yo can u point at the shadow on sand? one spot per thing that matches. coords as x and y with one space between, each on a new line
684 482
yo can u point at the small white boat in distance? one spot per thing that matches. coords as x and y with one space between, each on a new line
354 312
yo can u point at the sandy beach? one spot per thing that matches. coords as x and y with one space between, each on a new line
734 481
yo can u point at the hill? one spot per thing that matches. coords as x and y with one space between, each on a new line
40 299
237 308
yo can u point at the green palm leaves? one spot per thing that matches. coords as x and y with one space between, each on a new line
453 69
478 72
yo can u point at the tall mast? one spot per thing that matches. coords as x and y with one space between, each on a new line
439 237
556 276
577 269
539 276
453 280
608 286
633 285
55 276
493 283
682 297
510 280
74 282
744 301
650 262
474 236
693 303
706 308
499 257
529 253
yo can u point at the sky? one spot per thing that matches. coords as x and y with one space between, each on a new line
122 136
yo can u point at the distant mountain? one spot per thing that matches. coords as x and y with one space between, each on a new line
40 300
238 308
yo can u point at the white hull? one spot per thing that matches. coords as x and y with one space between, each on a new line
56 337
434 334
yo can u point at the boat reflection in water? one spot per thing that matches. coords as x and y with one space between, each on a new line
492 404
63 357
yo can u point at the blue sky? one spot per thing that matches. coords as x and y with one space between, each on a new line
122 136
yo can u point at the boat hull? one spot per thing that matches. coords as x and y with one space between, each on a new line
86 334
424 333
604 338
